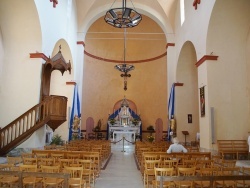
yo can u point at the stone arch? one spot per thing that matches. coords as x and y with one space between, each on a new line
186 96
132 105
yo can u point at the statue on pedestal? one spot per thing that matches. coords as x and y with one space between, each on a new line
173 126
75 127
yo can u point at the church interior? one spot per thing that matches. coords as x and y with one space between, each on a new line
121 79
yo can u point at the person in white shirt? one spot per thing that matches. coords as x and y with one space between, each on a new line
176 147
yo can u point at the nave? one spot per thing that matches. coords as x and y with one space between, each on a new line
121 170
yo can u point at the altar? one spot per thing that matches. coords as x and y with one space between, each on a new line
124 123
129 130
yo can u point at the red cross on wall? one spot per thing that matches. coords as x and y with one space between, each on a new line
195 3
55 2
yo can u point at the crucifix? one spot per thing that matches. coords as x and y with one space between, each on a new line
55 2
195 3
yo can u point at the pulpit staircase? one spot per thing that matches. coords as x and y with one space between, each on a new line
51 111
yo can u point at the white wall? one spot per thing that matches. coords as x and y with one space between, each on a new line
227 77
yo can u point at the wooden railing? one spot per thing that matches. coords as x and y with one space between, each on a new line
52 110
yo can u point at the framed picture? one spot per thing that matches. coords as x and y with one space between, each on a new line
202 101
190 118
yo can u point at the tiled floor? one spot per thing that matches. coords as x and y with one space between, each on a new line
121 171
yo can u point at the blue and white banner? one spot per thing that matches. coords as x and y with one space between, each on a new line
75 116
171 109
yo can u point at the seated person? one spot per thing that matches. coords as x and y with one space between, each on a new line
176 147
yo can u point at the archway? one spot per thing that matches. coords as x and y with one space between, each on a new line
187 95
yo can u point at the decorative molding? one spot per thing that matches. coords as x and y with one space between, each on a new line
121 61
178 84
71 83
81 42
205 58
55 2
39 55
195 4
170 44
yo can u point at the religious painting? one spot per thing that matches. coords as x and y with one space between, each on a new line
190 118
202 101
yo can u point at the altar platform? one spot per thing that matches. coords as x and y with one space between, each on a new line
129 132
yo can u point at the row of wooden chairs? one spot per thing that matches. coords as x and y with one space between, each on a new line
192 171
90 164
176 162
76 177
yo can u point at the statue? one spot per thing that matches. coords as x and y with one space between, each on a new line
75 127
76 123
173 126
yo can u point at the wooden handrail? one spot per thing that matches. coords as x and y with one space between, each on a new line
21 128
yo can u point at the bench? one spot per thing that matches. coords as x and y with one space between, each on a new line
234 148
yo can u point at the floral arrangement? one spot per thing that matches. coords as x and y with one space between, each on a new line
150 128
151 138
135 121
112 121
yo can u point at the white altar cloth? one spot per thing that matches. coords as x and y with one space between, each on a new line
125 130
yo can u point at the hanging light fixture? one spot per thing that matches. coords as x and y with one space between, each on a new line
125 68
123 17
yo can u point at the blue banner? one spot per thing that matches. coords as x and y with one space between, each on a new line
74 127
171 108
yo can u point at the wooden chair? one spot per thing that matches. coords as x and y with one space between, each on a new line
73 156
48 181
29 161
188 163
228 163
46 162
7 180
163 172
183 171
206 172
88 173
181 158
6 166
95 163
170 163
75 179
227 171
91 136
41 155
57 156
65 162
27 155
14 160
244 183
204 164
151 157
149 172
30 180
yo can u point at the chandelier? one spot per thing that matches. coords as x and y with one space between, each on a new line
123 17
125 68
